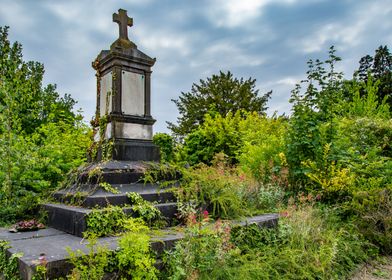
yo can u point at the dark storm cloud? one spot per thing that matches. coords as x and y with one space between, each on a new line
269 40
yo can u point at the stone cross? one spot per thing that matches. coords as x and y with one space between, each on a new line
123 22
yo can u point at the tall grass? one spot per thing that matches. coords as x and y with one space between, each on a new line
309 243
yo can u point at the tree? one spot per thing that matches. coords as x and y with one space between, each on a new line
22 85
41 138
379 68
218 94
312 124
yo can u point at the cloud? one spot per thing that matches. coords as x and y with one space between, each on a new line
234 13
163 40
349 32
269 40
15 9
225 55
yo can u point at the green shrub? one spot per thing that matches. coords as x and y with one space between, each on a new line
107 221
166 146
144 209
220 188
373 214
90 266
23 205
263 147
270 197
309 243
255 141
8 265
201 251
218 134
134 257
41 136
365 102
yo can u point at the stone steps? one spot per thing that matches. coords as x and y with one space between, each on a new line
102 184
94 196
53 243
72 219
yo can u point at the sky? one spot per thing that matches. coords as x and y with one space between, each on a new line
268 40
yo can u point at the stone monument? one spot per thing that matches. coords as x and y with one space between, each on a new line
123 144
124 98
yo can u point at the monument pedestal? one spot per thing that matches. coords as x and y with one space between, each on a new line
132 150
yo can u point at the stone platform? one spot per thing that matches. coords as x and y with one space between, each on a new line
71 205
53 244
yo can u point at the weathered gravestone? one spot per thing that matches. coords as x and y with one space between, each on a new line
123 99
123 141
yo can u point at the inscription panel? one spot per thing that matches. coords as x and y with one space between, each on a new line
105 100
132 93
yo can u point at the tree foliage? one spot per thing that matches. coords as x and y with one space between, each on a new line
340 148
41 137
217 134
379 67
313 104
222 93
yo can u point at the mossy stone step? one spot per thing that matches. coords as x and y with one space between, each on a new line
72 219
53 244
95 196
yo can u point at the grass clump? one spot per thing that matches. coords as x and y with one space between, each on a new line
309 243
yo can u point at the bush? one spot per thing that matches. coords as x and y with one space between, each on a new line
107 221
92 265
41 137
256 142
202 250
8 264
373 214
218 134
361 176
270 197
134 258
309 243
222 189
263 147
166 146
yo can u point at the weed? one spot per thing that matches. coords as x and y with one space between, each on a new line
106 221
90 266
144 209
8 265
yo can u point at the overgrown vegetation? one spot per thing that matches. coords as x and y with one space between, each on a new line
8 265
41 136
334 149
327 168
107 221
133 258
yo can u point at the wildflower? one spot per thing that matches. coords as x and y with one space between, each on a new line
42 259
218 225
284 214
192 219
205 216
